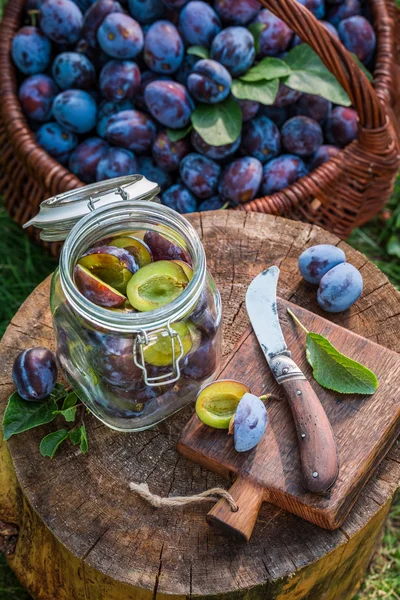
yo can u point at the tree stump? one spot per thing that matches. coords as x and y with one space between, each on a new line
84 535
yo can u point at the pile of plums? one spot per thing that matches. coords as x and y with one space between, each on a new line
340 283
137 272
104 80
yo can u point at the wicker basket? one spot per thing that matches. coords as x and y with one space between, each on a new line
341 194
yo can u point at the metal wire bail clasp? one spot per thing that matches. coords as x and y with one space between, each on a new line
142 340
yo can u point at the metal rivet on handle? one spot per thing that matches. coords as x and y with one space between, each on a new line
298 392
315 474
303 435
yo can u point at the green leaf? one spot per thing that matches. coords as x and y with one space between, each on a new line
201 51
70 401
21 415
335 371
218 124
69 414
393 246
59 392
69 409
50 443
75 436
79 436
256 30
178 134
267 69
309 75
84 441
363 68
259 91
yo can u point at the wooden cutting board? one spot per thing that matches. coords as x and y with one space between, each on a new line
365 427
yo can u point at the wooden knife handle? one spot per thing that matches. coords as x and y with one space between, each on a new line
318 450
238 525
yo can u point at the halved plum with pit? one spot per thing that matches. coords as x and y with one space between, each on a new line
138 248
115 266
164 249
155 285
96 290
217 402
159 352
187 269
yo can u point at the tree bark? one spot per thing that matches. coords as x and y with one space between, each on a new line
84 535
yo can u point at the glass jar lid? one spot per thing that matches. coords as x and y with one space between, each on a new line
58 215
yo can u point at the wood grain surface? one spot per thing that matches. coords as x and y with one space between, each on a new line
365 427
84 535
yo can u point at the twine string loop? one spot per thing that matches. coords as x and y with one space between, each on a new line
211 495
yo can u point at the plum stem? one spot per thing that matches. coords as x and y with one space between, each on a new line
33 15
297 320
266 397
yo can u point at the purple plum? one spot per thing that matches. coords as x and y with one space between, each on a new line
169 103
261 139
200 174
85 158
302 136
57 141
241 180
31 50
146 11
116 163
281 172
35 373
275 36
358 37
94 17
198 23
209 82
250 423
237 12
233 47
179 198
75 110
61 21
119 80
73 70
131 129
120 36
168 154
342 126
315 261
339 288
163 48
37 94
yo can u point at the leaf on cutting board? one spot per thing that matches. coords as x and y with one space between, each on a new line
336 371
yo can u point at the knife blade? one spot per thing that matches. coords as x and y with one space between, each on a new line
318 450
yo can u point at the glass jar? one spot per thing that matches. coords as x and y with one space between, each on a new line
132 370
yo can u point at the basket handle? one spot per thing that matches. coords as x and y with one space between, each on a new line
339 62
